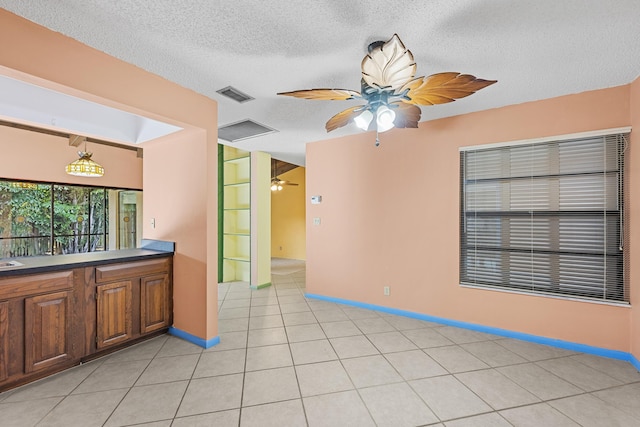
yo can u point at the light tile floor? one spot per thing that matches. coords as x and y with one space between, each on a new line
285 360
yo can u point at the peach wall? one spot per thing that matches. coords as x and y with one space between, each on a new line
389 217
48 155
633 182
43 57
188 168
288 227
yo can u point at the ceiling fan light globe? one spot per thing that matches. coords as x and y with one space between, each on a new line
385 118
274 187
364 120
279 187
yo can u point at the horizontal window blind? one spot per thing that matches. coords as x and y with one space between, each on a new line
545 217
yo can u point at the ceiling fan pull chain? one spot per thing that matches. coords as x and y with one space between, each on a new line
377 139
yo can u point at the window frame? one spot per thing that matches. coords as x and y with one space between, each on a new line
503 269
54 237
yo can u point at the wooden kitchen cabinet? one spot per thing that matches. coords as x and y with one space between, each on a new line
39 325
132 299
113 314
52 320
155 303
4 340
47 327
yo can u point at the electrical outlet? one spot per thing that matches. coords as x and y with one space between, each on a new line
387 291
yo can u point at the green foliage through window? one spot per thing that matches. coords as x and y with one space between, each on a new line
50 219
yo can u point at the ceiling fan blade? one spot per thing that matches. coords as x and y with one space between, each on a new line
343 118
279 181
442 88
407 115
324 94
390 65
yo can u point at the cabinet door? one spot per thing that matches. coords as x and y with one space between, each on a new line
113 313
4 340
155 310
47 330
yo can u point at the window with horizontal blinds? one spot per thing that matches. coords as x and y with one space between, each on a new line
545 218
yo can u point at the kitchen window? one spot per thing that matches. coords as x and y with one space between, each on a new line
51 219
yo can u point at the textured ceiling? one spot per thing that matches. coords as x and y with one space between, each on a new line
536 49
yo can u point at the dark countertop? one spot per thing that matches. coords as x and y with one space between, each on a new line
41 264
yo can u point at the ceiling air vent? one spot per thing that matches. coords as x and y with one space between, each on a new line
235 94
243 130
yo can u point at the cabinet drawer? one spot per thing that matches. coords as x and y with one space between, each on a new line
110 273
21 286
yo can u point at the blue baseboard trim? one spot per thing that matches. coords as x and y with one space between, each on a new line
194 339
567 345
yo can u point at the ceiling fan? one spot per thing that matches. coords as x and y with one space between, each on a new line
277 183
391 91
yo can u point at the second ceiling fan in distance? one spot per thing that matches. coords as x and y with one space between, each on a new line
278 167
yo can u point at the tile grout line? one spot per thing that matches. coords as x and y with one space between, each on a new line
340 360
293 362
195 366
246 350
132 385
126 394
65 396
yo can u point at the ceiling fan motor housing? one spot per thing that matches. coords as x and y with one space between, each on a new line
374 45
